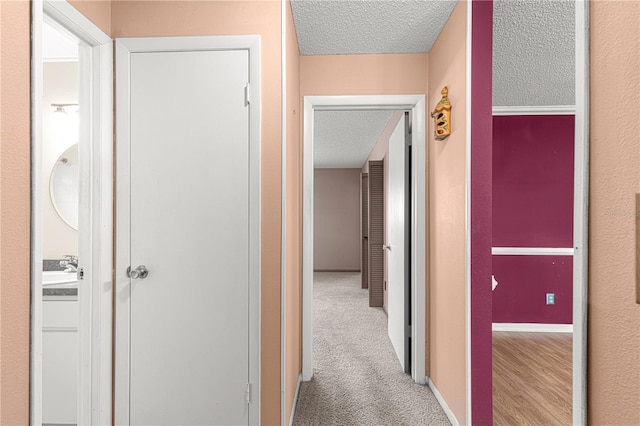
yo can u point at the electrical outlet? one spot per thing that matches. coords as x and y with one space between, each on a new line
551 299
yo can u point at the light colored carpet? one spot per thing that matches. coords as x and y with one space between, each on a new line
358 379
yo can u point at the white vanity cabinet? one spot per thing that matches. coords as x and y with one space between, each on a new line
60 359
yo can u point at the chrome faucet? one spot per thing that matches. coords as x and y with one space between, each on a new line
70 263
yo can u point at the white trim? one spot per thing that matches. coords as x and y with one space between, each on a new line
37 93
95 237
532 251
467 214
443 403
253 43
283 213
122 252
362 102
68 17
103 230
419 242
124 48
535 110
85 235
295 400
307 242
581 214
532 328
417 104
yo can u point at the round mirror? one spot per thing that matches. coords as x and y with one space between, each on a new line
64 186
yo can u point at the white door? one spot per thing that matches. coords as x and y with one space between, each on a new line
396 240
187 204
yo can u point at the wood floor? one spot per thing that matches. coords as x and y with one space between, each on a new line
532 378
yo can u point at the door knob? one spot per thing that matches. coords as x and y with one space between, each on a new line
387 247
140 272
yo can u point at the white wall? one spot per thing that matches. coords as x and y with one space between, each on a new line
60 86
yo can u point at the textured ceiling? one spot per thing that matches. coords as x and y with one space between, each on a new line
533 56
329 27
344 139
57 46
533 52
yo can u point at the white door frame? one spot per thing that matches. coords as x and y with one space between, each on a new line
124 48
94 295
581 214
416 104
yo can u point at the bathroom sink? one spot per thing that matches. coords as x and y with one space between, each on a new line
59 278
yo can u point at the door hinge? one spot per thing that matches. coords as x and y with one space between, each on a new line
247 95
80 274
248 393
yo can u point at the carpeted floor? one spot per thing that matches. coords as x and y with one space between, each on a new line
357 376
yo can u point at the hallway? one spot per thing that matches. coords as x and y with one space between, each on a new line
357 376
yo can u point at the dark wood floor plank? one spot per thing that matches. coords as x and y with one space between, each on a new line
532 378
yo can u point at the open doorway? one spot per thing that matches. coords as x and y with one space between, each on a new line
371 322
71 218
362 214
60 228
416 105
539 216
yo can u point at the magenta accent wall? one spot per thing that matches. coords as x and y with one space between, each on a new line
533 181
481 215
336 221
533 162
524 281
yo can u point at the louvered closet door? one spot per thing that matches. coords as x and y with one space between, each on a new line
365 232
376 233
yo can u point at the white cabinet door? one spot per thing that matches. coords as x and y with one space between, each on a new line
396 239
189 211
60 362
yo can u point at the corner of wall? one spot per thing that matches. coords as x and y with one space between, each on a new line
97 11
446 174
293 227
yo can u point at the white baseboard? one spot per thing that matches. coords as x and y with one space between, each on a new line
443 403
532 328
295 400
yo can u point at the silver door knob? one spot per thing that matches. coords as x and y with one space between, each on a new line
386 247
140 272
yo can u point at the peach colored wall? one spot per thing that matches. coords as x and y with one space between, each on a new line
364 74
14 211
446 176
336 220
171 18
293 302
98 12
614 317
